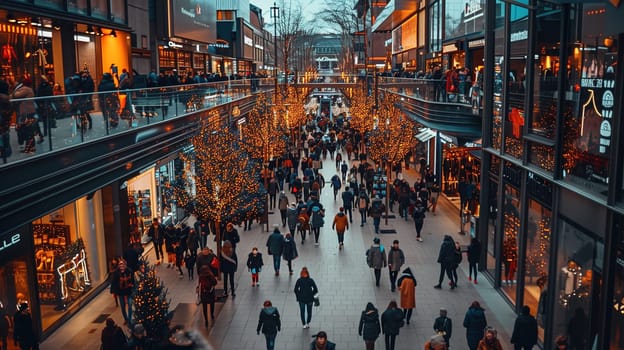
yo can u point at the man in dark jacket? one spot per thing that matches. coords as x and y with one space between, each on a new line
524 335
113 337
376 258
269 322
157 233
321 342
231 234
396 259
122 285
444 326
23 328
347 202
275 245
446 259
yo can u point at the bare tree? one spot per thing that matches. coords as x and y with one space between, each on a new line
340 15
290 26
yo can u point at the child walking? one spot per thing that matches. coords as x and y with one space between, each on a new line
254 264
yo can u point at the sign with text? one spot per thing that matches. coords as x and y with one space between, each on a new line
194 20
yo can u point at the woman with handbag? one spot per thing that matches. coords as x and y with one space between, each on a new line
305 291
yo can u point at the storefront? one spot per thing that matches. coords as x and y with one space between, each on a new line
142 202
55 262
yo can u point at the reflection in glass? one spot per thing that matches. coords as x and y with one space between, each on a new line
541 155
77 6
492 222
511 229
536 263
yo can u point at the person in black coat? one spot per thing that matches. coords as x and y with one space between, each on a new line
231 234
269 322
254 264
23 329
305 289
369 327
475 323
229 264
446 257
391 322
157 233
474 255
171 240
444 326
113 337
524 335
289 252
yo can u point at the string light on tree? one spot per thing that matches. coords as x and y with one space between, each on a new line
151 307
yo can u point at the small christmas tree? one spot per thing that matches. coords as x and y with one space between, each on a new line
151 305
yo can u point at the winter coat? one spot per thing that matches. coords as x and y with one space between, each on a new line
305 289
483 345
407 289
341 222
475 323
391 321
525 331
419 214
317 220
328 346
444 324
206 288
113 338
255 261
25 107
122 283
157 233
396 259
474 252
290 250
269 321
446 256
229 264
192 242
369 327
377 208
231 236
347 199
283 202
275 243
457 257
204 260
376 257
291 218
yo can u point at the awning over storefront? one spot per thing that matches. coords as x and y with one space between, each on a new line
395 13
425 134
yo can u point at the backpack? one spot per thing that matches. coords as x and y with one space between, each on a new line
362 203
369 258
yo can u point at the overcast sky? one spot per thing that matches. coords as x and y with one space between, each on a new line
311 8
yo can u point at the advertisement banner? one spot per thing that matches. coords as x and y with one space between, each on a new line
194 20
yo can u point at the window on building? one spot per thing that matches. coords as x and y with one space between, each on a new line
118 11
226 15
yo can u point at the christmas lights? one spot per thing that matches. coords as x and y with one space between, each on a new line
151 307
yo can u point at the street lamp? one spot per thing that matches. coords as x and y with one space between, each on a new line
275 16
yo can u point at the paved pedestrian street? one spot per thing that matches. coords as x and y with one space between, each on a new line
345 285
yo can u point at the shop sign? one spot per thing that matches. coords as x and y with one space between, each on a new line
476 43
248 41
449 48
174 45
258 46
518 36
597 111
10 241
472 7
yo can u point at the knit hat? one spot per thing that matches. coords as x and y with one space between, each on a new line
341 209
376 240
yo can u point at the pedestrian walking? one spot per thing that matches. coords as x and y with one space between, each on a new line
363 202
321 343
122 285
206 290
340 224
229 265
171 239
157 233
376 258
289 252
524 335
376 210
303 225
396 259
207 258
305 290
336 184
446 257
23 328
369 327
139 339
192 241
457 259
391 323
282 205
444 327
291 218
418 214
231 234
275 246
189 263
475 323
254 264
113 338
407 287
269 323
347 202
490 340
474 255
317 220
344 168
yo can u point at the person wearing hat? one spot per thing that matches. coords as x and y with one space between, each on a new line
139 339
122 284
444 326
317 220
340 224
289 253
275 246
407 289
113 337
436 342
376 258
490 340
321 343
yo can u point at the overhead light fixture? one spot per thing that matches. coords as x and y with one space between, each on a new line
90 30
22 21
47 24
113 33
34 21
56 26
99 32
11 18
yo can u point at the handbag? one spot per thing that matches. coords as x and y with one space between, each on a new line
317 302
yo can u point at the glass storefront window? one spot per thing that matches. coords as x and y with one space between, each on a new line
542 156
492 223
590 100
576 286
511 231
435 28
55 4
498 113
617 314
77 6
99 9
536 263
118 11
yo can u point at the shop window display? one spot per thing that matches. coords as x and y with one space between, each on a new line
493 220
575 286
14 290
511 230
